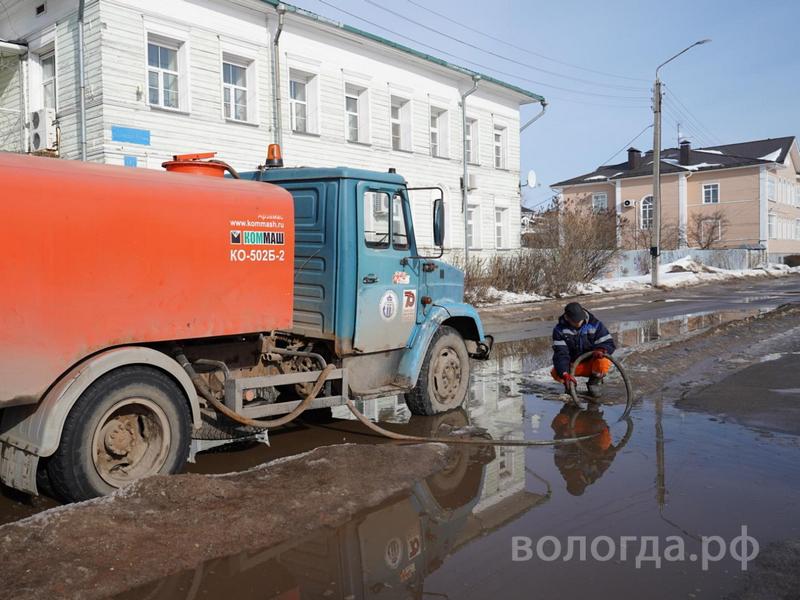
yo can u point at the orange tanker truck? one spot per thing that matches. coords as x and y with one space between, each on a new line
147 316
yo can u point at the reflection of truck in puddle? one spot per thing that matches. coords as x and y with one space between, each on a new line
385 552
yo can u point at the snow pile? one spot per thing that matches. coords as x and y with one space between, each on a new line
504 297
772 156
680 273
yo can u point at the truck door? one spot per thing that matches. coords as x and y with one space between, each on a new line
387 295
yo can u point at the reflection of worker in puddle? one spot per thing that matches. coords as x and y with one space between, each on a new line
576 332
584 462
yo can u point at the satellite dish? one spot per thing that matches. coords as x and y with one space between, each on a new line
531 182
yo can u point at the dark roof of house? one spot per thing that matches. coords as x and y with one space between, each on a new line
726 156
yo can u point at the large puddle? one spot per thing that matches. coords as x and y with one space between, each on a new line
665 474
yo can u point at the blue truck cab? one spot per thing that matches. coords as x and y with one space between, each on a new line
395 319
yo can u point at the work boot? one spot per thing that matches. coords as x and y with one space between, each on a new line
595 386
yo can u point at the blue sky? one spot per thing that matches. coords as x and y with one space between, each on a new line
744 85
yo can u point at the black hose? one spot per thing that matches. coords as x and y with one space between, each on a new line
628 387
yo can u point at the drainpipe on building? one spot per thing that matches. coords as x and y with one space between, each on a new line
276 77
535 118
82 79
465 175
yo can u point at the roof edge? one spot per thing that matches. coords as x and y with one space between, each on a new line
406 49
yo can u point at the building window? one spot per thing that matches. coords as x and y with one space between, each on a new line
438 131
771 233
797 196
710 193
770 189
499 147
48 65
235 88
376 219
303 101
163 73
797 229
472 227
471 141
356 105
401 123
600 202
500 228
646 219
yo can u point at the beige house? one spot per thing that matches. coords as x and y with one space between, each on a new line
744 195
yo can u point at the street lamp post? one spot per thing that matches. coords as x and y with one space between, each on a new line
655 240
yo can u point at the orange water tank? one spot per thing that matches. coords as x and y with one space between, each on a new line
96 256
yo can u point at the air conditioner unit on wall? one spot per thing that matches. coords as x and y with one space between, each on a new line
628 203
43 129
472 182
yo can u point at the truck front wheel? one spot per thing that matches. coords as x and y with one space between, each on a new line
444 378
130 423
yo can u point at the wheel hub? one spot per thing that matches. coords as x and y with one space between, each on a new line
447 375
131 441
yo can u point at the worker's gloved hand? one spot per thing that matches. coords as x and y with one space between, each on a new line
569 379
598 353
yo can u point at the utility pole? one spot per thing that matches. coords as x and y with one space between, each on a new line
655 237
655 232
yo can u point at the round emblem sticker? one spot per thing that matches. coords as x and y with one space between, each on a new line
388 305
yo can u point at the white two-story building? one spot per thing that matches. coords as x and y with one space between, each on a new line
161 77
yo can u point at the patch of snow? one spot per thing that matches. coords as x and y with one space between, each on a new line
616 175
708 151
678 274
772 156
595 177
702 165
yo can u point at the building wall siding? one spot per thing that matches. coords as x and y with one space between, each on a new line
12 113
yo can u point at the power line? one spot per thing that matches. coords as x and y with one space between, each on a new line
627 145
477 64
692 116
496 54
520 48
687 123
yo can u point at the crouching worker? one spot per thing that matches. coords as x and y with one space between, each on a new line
578 331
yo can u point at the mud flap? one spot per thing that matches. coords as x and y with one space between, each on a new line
484 349
18 468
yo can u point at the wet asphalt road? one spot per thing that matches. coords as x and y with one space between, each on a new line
668 472
749 295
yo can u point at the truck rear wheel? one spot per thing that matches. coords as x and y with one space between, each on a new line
130 423
444 378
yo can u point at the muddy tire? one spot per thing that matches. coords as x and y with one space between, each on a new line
444 378
130 423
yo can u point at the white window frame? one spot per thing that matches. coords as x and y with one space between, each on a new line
251 106
180 46
44 56
500 147
361 94
710 187
472 137
597 205
772 226
439 126
39 46
771 188
797 229
501 237
311 82
473 229
402 121
642 204
796 195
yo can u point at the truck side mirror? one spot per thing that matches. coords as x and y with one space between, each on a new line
438 222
